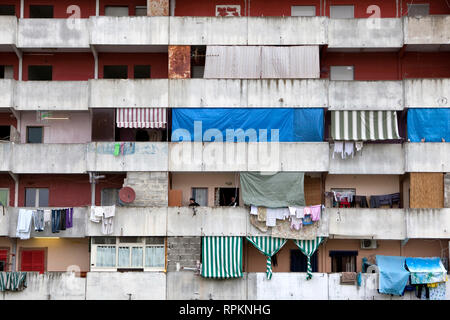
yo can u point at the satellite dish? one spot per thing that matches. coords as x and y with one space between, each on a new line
127 195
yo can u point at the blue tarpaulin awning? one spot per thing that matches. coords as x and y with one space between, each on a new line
426 270
256 124
429 124
393 275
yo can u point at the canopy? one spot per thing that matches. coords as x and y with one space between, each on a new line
426 270
268 246
393 275
364 125
141 118
308 247
222 257
431 124
266 62
247 124
282 189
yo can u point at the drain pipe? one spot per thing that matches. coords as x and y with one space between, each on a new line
93 180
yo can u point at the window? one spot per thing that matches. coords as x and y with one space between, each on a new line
418 10
103 125
343 261
116 11
7 10
198 71
6 72
4 197
141 11
110 196
142 72
303 11
35 134
115 72
341 73
5 132
41 11
125 253
36 197
222 196
32 260
201 196
40 73
299 261
4 259
342 12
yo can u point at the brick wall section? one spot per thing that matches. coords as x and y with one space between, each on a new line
447 190
184 250
151 188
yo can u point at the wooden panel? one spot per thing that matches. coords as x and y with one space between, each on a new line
426 190
175 197
313 191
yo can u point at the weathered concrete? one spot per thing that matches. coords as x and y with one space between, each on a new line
8 30
133 222
373 159
7 93
447 190
5 156
428 223
427 93
208 31
129 30
50 286
80 218
4 222
126 286
304 156
365 95
151 188
432 29
427 157
51 95
360 223
140 156
365 33
120 93
183 252
287 30
53 33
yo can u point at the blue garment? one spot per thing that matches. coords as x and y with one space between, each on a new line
393 275
255 124
431 124
56 220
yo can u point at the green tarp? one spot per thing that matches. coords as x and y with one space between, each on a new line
282 189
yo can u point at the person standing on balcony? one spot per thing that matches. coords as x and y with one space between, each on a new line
192 203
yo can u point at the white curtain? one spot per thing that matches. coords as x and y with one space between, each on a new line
106 256
154 257
201 196
124 257
137 256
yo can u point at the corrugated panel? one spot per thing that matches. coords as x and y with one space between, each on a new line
364 125
266 62
426 190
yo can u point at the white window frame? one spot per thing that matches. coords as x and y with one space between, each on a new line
140 244
334 69
36 199
7 196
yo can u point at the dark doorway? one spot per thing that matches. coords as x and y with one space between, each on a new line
41 12
7 10
299 262
40 73
224 196
103 125
142 72
115 72
5 132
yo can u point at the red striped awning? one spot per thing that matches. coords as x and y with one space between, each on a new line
141 118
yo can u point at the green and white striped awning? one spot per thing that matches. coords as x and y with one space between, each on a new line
268 246
222 257
308 247
364 125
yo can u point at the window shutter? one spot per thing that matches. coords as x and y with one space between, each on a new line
33 260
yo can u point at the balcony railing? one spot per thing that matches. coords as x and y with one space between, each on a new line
428 30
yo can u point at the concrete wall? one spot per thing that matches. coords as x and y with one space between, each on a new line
366 95
151 188
183 252
447 190
51 95
427 157
428 223
53 33
4 222
432 29
8 30
7 93
427 93
365 33
5 156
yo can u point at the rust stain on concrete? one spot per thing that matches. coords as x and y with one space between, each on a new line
179 62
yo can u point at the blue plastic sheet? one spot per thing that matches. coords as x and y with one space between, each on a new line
247 124
426 270
431 124
393 275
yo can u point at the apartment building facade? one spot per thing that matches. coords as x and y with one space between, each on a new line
127 104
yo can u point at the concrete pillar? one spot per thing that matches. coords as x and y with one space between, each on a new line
157 8
179 62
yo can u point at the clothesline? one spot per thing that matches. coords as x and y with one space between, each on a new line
60 219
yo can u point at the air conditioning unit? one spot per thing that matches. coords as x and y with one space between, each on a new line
368 244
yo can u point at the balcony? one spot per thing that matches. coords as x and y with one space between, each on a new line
365 95
287 30
427 93
129 31
5 156
373 159
360 223
8 33
7 93
427 33
51 95
428 223
427 157
208 31
128 93
53 34
365 33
